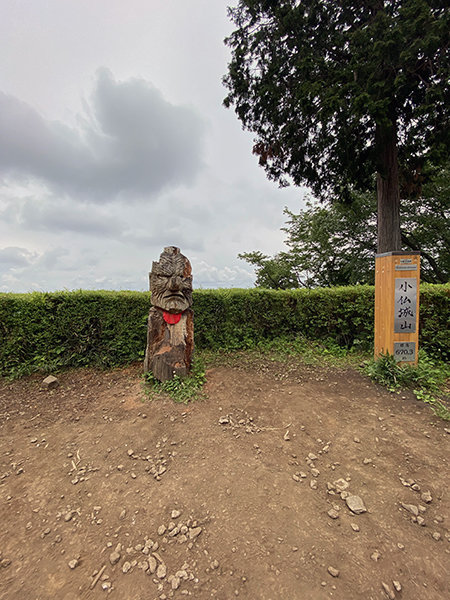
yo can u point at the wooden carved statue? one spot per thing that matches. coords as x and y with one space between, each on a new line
170 335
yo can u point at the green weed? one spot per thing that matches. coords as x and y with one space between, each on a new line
428 379
180 389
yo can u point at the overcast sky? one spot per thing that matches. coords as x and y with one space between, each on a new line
114 143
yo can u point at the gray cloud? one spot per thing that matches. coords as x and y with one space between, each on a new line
63 217
131 141
13 257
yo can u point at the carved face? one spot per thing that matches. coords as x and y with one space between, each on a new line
171 281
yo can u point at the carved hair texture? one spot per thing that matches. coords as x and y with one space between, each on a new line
171 281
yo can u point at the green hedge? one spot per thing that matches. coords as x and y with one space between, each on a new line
44 331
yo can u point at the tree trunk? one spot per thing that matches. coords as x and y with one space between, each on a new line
388 193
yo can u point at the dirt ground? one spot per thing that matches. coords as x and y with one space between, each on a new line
242 494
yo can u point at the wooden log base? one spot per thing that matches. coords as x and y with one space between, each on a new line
169 346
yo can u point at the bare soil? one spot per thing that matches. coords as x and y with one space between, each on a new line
91 470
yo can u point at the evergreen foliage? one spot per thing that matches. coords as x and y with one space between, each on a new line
338 91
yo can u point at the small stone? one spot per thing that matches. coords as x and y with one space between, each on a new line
50 382
333 514
194 533
114 558
376 555
356 440
175 514
162 530
397 585
367 461
315 472
126 567
333 572
426 497
161 571
286 436
411 508
175 583
224 420
421 521
313 484
73 563
130 452
295 477
354 526
215 564
356 505
152 564
312 456
436 536
123 514
68 516
340 484
388 591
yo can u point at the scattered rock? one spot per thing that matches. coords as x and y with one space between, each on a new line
126 567
397 585
5 562
426 497
194 533
354 526
175 514
152 564
333 572
73 563
356 505
388 591
313 484
340 484
161 571
162 530
175 582
411 508
50 382
436 536
367 461
333 514
114 558
286 436
376 555
224 420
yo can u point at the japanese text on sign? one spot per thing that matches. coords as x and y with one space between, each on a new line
405 305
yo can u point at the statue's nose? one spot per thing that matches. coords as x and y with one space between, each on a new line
175 282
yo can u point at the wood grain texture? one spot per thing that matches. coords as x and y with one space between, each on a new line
385 275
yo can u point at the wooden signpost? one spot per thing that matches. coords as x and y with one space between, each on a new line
397 279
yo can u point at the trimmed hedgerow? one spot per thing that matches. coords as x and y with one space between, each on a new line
47 331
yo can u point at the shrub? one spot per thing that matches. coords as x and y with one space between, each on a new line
47 331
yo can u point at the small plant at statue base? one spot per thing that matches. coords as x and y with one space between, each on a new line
180 389
428 379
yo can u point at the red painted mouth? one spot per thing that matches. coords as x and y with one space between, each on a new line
171 318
